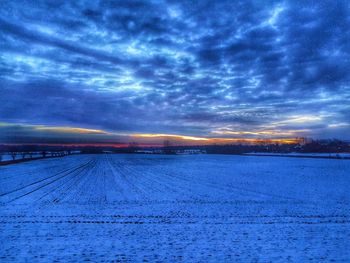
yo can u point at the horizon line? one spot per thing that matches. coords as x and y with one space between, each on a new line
224 142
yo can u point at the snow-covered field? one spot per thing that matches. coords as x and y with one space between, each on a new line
332 155
8 157
189 208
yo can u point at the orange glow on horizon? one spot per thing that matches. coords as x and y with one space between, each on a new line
208 141
169 136
101 138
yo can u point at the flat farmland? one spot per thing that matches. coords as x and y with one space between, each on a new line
164 208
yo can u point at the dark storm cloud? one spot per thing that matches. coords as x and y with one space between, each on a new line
195 68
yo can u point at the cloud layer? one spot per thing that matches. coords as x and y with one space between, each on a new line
196 68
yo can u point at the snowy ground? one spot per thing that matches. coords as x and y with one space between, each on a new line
8 157
334 155
195 208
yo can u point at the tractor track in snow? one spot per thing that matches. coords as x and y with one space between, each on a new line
62 190
56 177
39 181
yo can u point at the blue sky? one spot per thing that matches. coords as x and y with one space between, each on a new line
107 70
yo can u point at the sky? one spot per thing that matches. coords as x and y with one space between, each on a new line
199 71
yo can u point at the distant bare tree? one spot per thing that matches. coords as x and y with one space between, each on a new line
23 154
167 147
133 147
43 153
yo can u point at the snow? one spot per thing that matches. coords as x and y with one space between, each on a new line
8 156
336 155
190 208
